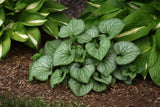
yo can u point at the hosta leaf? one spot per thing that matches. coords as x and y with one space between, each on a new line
103 79
158 38
35 5
64 55
22 4
43 11
1 1
41 69
80 54
5 43
53 6
51 27
157 4
80 89
38 55
98 52
82 72
51 46
111 27
32 18
99 87
57 77
126 52
34 37
2 16
75 27
1 30
18 32
108 64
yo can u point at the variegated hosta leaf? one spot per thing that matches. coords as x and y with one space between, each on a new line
126 52
5 43
100 51
1 30
1 1
111 27
80 89
108 64
18 32
41 69
34 37
35 5
82 72
57 77
32 18
64 55
75 27
43 11
2 16
99 87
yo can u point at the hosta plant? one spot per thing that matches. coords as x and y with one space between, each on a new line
20 21
89 58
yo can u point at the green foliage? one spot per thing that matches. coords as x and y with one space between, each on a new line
20 19
89 62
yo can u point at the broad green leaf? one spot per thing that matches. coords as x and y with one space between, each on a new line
130 74
64 55
1 1
103 79
1 30
51 46
38 55
80 54
32 18
41 69
108 64
22 4
5 43
51 27
157 4
100 51
34 37
83 38
35 5
126 52
57 77
158 38
43 11
2 16
99 87
75 27
82 73
18 32
53 6
80 89
111 27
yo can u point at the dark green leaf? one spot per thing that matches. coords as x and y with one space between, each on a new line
2 16
37 55
80 54
99 87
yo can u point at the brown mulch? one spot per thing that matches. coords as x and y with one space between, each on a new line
14 71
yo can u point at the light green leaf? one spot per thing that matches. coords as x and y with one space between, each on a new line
18 32
1 1
57 77
126 52
98 52
41 69
64 55
99 87
5 43
22 4
83 38
103 79
80 89
2 16
35 5
75 27
1 30
34 37
158 38
80 54
32 18
111 27
51 46
82 72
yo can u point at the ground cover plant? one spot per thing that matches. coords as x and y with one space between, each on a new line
20 19
88 58
142 23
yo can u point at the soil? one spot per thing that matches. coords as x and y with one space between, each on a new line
14 72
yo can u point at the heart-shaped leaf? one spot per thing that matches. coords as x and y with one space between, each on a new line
80 89
103 79
126 52
99 87
57 77
108 64
64 55
2 16
51 46
83 72
18 32
80 54
75 27
98 52
111 27
41 69
34 37
5 43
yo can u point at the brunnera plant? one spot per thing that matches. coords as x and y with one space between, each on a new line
20 19
90 58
